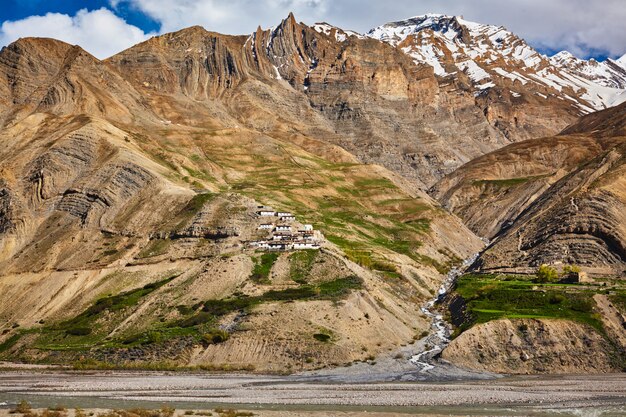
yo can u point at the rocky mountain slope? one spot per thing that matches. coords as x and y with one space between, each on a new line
609 73
533 346
551 200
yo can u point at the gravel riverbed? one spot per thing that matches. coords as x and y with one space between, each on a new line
125 389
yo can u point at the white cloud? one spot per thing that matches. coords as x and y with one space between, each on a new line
582 26
100 32
225 16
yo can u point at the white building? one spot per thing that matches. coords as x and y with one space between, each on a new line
303 244
260 244
308 227
284 214
267 226
277 246
288 218
283 228
267 213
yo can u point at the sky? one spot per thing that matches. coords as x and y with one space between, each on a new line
587 28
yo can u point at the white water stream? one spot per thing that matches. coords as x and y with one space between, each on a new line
439 337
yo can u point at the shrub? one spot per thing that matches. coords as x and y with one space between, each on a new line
556 298
546 273
570 269
132 339
58 407
155 337
167 411
79 331
23 407
321 337
215 337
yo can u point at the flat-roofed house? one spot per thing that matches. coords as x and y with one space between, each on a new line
306 244
277 246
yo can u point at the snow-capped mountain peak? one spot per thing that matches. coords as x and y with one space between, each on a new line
492 56
396 32
606 73
441 40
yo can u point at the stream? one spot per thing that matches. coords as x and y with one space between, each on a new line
439 337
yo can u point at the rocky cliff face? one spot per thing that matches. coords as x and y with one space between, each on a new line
377 101
579 220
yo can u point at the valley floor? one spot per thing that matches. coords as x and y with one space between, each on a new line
275 396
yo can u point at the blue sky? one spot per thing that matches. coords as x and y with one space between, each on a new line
587 28
20 9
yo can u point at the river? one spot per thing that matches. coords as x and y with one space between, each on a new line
439 336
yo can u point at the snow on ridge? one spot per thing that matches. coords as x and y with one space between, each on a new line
487 53
396 32
621 61
340 34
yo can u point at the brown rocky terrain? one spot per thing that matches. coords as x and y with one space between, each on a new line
527 346
362 94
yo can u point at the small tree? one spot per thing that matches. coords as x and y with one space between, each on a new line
570 269
546 273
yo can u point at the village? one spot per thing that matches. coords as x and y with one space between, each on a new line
284 233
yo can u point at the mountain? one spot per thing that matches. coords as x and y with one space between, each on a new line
132 190
555 202
580 218
493 57
45 75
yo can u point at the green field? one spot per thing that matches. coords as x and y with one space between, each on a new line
490 297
